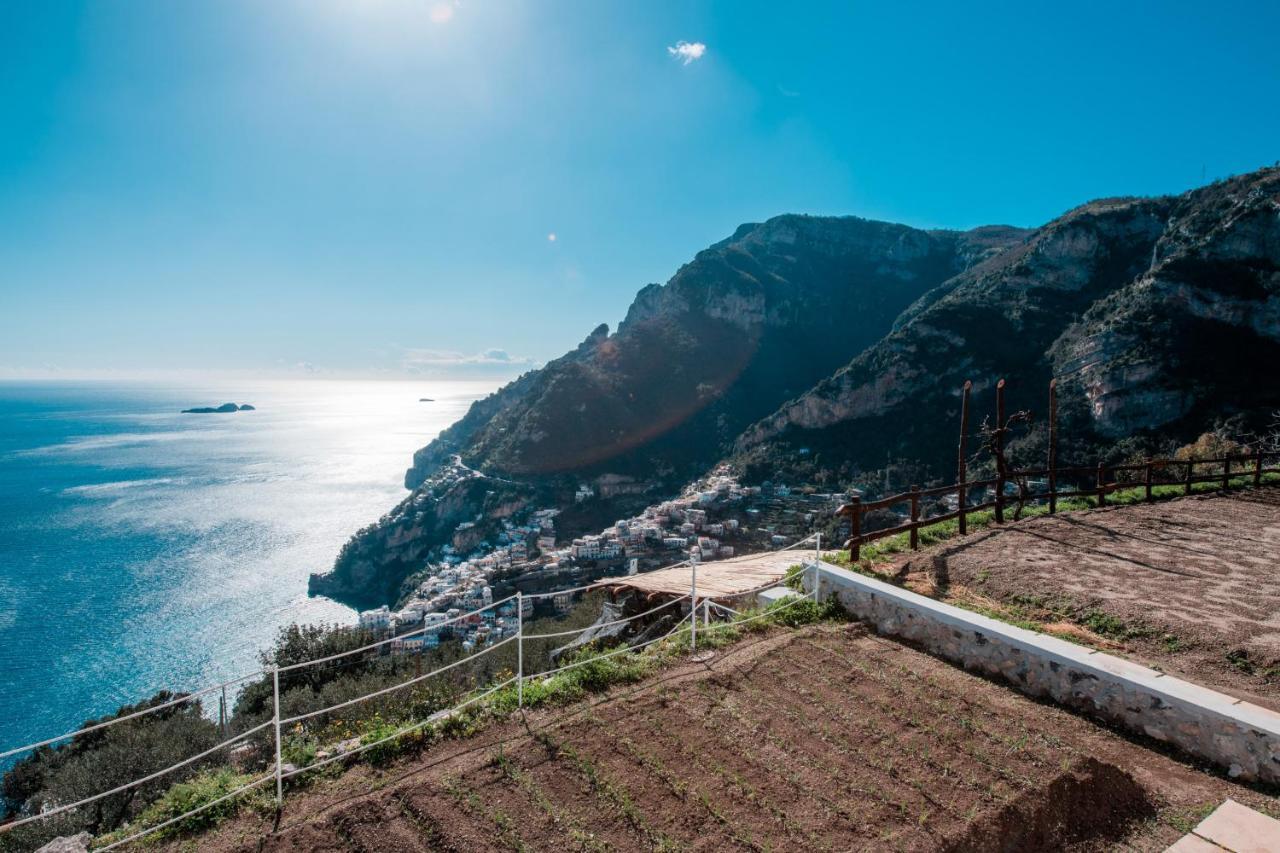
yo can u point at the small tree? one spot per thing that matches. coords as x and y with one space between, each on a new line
995 441
1208 446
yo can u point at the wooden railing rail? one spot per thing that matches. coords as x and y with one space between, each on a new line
1097 481
1254 467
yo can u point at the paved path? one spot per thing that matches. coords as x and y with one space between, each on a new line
718 578
1232 827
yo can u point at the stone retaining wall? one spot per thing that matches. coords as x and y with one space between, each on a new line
1242 738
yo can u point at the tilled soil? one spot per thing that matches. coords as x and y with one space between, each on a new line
1193 582
822 738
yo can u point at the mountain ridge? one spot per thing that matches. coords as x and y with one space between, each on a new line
818 349
1117 299
746 324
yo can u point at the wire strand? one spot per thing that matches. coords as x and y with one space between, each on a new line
136 782
237 792
424 629
145 711
605 624
403 684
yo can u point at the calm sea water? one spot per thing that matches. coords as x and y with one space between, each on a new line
142 549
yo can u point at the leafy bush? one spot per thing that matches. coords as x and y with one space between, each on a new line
107 758
384 744
208 787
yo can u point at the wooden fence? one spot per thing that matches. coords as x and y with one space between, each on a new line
1103 480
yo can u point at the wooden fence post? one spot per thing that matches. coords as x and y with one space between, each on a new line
1053 445
1187 485
1226 472
1257 467
855 529
915 518
1102 485
1147 482
1000 452
962 493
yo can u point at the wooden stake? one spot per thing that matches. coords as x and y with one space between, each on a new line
1053 446
1000 452
962 491
915 518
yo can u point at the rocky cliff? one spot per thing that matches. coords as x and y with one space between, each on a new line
1158 316
750 322
822 349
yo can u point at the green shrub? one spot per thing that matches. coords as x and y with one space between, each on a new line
183 797
384 744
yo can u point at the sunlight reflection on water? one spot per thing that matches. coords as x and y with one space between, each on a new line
143 548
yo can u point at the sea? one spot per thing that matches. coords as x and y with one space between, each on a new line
143 549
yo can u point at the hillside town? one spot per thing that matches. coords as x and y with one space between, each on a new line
715 518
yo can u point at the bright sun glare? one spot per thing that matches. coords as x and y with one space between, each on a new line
441 13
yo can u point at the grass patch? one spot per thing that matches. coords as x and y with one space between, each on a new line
199 791
1106 625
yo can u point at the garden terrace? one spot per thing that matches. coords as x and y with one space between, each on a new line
818 738
1187 585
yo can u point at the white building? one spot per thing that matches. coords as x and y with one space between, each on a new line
377 621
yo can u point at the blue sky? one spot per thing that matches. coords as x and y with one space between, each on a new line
368 187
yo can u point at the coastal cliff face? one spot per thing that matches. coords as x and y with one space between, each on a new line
748 323
1158 316
819 350
456 507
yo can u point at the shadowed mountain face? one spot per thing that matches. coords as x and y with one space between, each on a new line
1160 317
747 324
750 322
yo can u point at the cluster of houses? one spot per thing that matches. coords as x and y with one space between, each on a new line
713 519
414 631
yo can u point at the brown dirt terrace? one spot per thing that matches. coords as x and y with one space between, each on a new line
822 738
1191 585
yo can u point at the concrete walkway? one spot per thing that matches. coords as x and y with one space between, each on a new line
1232 827
718 578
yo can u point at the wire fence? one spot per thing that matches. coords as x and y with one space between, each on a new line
698 606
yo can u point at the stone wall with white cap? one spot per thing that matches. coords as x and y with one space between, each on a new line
1241 738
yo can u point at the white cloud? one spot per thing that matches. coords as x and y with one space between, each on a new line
420 361
441 13
687 51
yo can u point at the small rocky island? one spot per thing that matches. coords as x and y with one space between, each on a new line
218 410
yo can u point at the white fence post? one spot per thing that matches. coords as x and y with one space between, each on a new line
519 649
817 558
693 607
275 684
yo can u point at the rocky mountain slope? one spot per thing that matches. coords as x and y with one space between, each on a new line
749 323
820 350
1160 317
